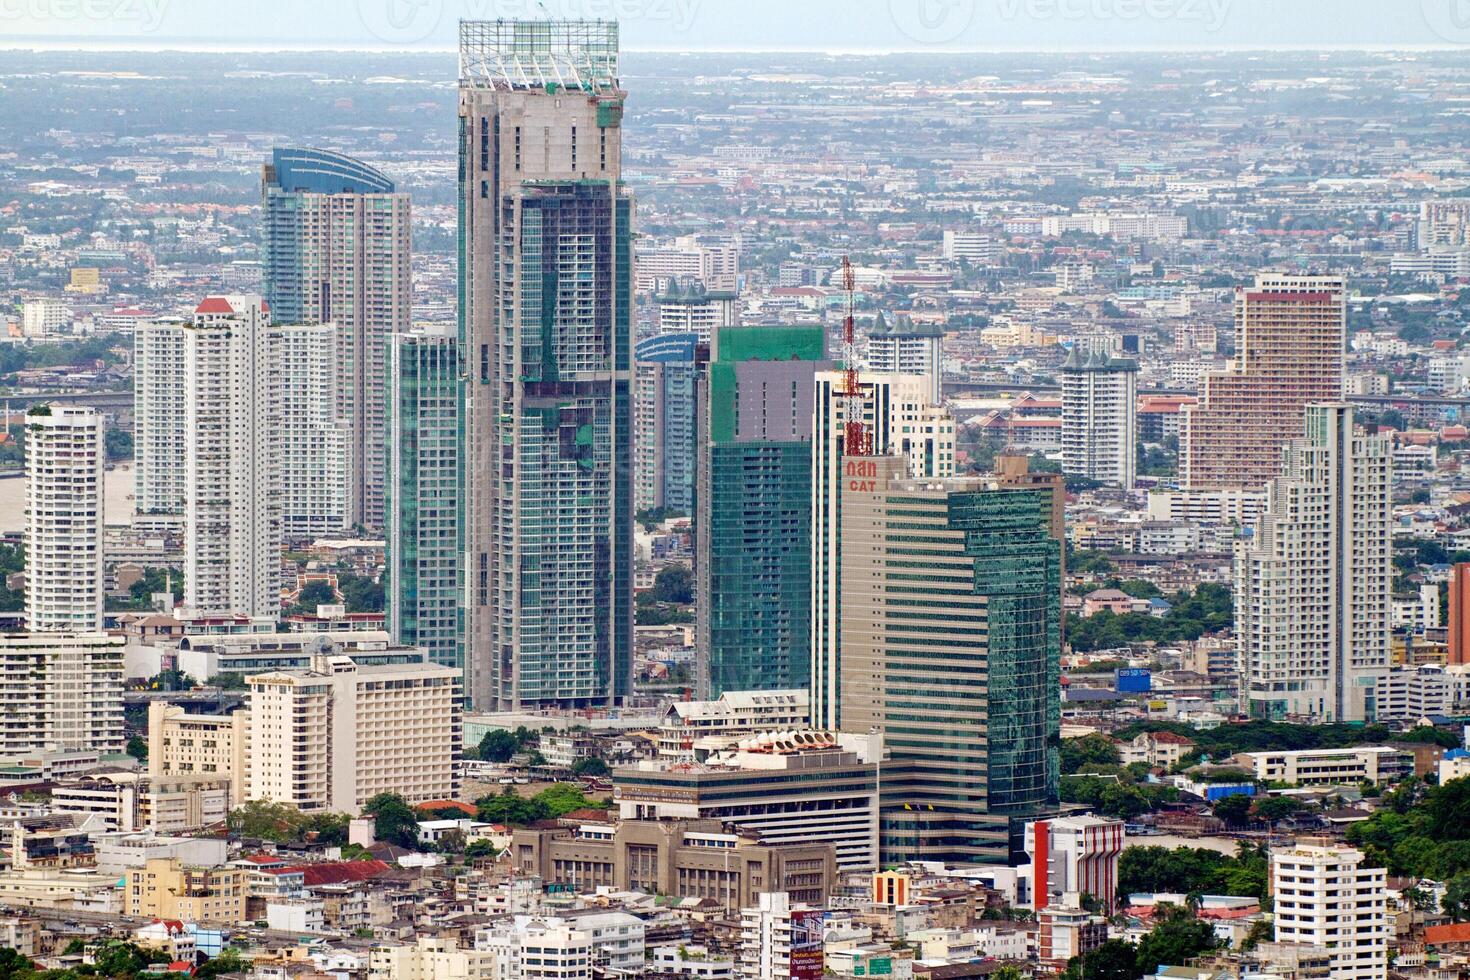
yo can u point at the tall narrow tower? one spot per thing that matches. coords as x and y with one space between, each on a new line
232 459
335 246
64 459
546 309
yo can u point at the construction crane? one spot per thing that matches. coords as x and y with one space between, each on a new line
855 434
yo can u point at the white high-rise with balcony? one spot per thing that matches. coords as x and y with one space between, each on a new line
61 691
1099 416
1324 897
158 416
315 440
1313 584
64 465
232 459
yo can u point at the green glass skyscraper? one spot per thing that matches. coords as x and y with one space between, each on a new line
754 500
425 526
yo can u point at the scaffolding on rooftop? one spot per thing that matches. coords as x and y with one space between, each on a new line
580 55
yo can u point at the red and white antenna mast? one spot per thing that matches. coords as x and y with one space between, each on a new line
855 434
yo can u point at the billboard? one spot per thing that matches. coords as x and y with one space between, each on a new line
806 944
1132 680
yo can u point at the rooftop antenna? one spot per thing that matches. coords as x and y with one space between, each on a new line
855 434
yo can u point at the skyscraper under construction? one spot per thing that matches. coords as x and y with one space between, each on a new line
545 307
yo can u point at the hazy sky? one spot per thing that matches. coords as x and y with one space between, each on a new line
754 24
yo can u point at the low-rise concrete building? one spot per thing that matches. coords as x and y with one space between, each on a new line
693 859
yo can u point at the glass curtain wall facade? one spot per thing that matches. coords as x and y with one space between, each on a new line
425 529
951 644
545 305
754 523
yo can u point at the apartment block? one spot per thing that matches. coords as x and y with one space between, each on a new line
1313 584
335 249
158 416
65 456
1324 897
1100 417
900 420
668 401
425 482
546 267
314 440
686 306
164 889
332 737
1290 337
232 459
753 530
61 691
906 347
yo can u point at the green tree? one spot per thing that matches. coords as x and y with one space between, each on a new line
1177 937
590 766
511 809
314 593
138 748
265 820
478 849
1113 960
1088 750
394 821
362 594
498 745
1234 810
1456 900
673 583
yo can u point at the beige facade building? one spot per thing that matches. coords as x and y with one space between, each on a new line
431 958
164 889
194 746
131 801
333 736
61 691
901 421
1290 337
695 859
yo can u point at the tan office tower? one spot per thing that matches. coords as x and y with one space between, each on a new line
546 319
1290 333
951 637
335 237
901 420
